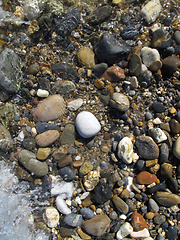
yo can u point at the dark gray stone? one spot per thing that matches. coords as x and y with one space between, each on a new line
67 174
100 14
158 107
102 193
87 213
73 220
164 153
43 127
128 32
172 232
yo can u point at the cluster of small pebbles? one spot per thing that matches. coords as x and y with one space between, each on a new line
90 114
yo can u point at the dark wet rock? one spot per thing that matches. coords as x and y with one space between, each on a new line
68 135
87 213
159 219
65 71
167 199
69 22
145 77
166 170
108 49
170 64
147 148
120 204
157 187
67 174
73 219
29 143
43 127
172 184
102 193
100 14
158 107
44 83
6 142
135 65
172 232
177 37
174 126
161 39
99 69
128 32
33 69
164 153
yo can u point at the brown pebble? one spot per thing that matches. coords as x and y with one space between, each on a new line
138 222
114 74
65 161
149 215
146 178
98 83
151 163
47 138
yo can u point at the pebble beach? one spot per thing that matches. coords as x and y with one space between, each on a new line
90 119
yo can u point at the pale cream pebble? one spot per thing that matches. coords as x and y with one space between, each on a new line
33 132
42 93
51 217
33 92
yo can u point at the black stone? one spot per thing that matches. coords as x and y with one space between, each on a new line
99 68
161 39
69 22
158 107
141 165
100 14
67 174
172 184
157 187
44 83
128 32
102 193
171 233
117 137
108 49
43 127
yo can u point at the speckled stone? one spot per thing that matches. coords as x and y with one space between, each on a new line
51 217
86 57
47 138
100 14
157 134
120 204
147 148
146 178
119 101
149 55
97 225
167 199
138 222
68 135
114 74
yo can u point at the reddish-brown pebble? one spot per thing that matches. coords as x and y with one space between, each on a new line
146 178
114 74
138 222
47 138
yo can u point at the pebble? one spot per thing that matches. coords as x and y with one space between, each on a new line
29 161
62 206
65 161
172 184
174 126
86 57
42 93
138 222
177 37
51 217
171 232
67 174
50 108
124 231
171 64
146 178
110 50
176 148
125 150
29 143
166 170
120 204
157 187
147 148
100 68
87 213
164 153
149 55
140 234
100 14
161 39
87 124
68 135
64 87
157 134
73 219
159 219
97 225
153 206
148 116
43 127
47 138
135 65
85 169
91 180
167 199
6 142
128 32
75 104
158 107
102 193
151 11
43 153
114 74
119 101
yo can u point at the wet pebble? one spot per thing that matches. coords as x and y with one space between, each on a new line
146 178
43 153
161 39
100 14
167 199
73 219
172 184
170 64
135 65
138 222
176 148
171 232
157 187
158 107
67 173
166 170
87 213
75 104
164 153
100 68
149 55
86 57
128 32
157 134
159 219
47 138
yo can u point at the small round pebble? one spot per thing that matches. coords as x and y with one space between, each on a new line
67 173
158 107
172 232
73 220
87 213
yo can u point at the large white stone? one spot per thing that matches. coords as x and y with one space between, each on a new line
51 217
124 231
87 124
151 11
64 189
149 55
61 206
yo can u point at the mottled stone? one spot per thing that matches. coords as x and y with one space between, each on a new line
135 65
86 57
73 219
157 134
167 199
97 225
68 135
119 101
65 161
114 74
67 174
50 108
166 170
138 222
6 142
146 178
120 204
151 11
161 39
51 217
100 14
47 138
63 87
91 180
147 148
85 168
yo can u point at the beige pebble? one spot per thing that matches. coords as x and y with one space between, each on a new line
47 138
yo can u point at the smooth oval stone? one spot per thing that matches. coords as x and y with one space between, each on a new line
175 126
100 14
102 193
124 231
171 232
177 37
48 109
135 65
176 148
51 217
114 74
87 124
157 187
138 222
119 101
73 219
166 170
97 225
6 142
47 138
125 150
87 212
67 173
61 206
86 57
29 161
161 39
151 11
158 107
167 199
153 206
164 153
149 55
75 104
120 204
170 64
68 135
146 178
172 184
147 148
128 32
109 50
